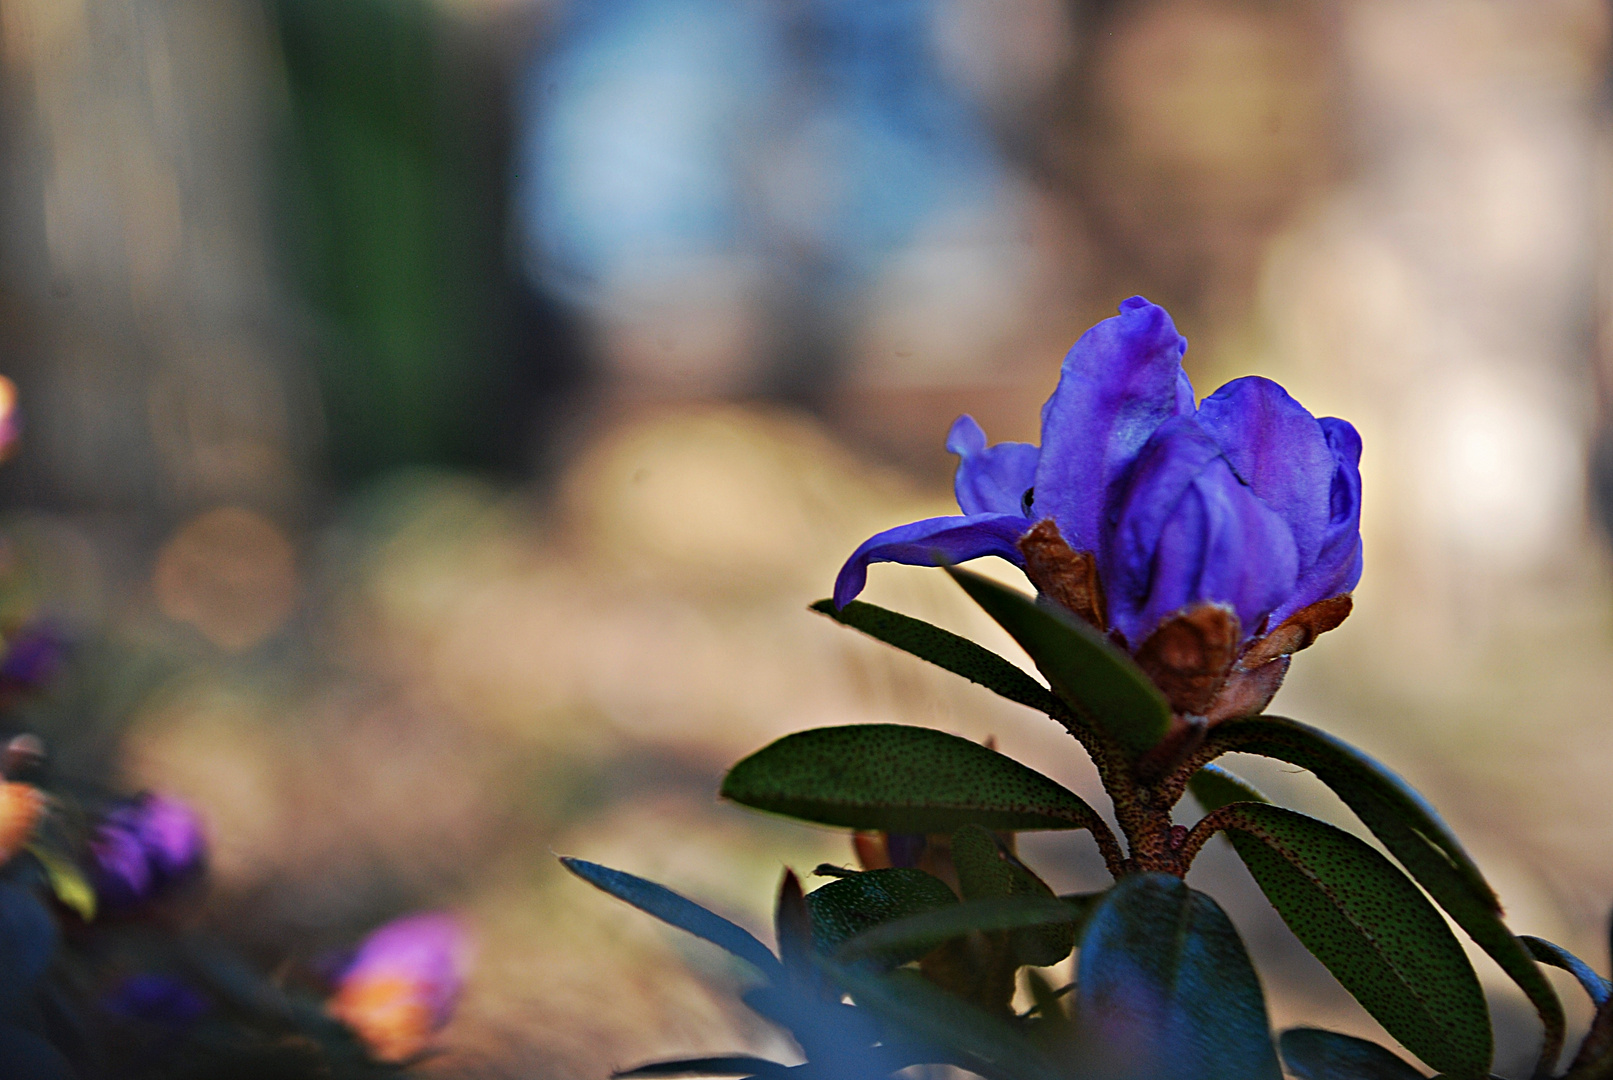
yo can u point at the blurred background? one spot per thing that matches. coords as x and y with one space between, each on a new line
439 414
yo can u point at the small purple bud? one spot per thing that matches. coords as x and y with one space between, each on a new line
144 846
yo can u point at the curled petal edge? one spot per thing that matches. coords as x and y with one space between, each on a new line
937 541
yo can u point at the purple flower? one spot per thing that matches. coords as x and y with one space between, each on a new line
402 983
144 846
1211 540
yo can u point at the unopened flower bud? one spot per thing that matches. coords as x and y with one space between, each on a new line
401 985
145 846
21 807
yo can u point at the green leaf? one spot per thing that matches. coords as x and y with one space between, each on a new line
944 649
685 914
850 906
916 935
1213 787
1416 836
987 870
1373 929
1349 772
1430 867
1314 1054
1096 679
1165 982
924 1014
736 1065
901 779
1548 953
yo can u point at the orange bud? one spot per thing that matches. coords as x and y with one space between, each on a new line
391 1014
21 807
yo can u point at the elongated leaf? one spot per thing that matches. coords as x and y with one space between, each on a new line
1414 833
900 779
852 905
1166 990
1099 681
926 1015
942 648
916 935
1213 787
685 914
1435 872
736 1065
987 870
1546 952
1349 772
1314 1054
1372 928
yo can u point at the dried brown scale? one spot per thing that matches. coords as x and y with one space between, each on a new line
1189 656
1063 575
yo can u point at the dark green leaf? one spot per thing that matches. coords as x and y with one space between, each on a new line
901 779
1412 831
1557 956
943 648
737 1065
927 1015
1314 1054
1167 990
851 906
1213 787
679 911
1349 772
987 870
1372 928
918 934
1430 867
1099 681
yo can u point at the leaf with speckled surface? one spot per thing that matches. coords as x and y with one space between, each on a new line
942 648
851 905
1373 929
1349 772
897 778
1314 1054
1165 990
1431 869
1409 827
1099 681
